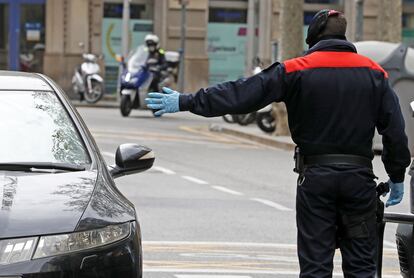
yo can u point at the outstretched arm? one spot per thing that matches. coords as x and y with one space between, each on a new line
234 97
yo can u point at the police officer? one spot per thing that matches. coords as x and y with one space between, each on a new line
335 99
156 59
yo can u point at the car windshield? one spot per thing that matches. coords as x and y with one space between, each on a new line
137 59
35 127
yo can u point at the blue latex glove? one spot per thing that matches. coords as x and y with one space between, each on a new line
396 195
167 102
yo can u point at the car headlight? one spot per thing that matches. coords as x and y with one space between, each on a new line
22 249
59 244
17 250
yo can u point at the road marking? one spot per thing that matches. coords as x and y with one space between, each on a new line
163 170
226 190
223 243
195 180
390 244
233 258
230 271
210 276
108 154
271 204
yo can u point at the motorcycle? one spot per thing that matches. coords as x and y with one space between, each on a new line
86 80
265 120
404 234
137 75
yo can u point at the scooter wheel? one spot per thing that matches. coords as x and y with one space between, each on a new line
126 105
96 93
266 122
229 118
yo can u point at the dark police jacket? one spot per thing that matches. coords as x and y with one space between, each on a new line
334 97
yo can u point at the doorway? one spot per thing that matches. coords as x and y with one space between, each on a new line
22 34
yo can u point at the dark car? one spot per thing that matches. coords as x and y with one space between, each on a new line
61 214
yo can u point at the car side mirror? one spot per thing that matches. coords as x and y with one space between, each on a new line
412 108
131 159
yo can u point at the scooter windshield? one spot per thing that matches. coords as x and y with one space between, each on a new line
137 59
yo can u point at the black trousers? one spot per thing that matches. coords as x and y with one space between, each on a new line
324 195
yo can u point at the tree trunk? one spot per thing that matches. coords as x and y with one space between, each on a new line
290 46
389 20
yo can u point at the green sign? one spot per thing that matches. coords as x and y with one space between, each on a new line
226 51
112 45
112 40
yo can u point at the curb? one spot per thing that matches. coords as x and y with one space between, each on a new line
103 104
261 139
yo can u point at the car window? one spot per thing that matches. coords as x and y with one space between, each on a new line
35 127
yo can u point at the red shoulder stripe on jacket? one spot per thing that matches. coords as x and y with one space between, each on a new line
331 59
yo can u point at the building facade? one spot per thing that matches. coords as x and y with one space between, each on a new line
224 38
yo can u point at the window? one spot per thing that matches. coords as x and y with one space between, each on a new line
322 1
137 11
227 15
38 130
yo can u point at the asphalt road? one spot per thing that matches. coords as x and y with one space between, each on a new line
213 205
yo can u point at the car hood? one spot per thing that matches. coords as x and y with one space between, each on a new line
35 204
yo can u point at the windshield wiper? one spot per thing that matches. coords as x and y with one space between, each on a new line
48 167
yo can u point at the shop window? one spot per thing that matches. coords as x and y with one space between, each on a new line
137 11
227 15
322 1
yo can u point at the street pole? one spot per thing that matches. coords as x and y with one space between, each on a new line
125 28
359 28
181 76
124 41
389 24
290 46
250 37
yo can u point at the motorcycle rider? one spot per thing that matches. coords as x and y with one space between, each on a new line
156 59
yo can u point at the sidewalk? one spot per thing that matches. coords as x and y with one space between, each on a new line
253 133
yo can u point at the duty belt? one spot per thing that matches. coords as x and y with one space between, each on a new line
329 159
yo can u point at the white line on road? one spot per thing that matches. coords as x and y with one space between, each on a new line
283 272
226 190
271 204
108 154
210 276
163 170
222 243
390 244
195 180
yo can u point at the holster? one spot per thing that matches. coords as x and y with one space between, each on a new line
299 161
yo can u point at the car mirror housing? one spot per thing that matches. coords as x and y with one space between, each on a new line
131 159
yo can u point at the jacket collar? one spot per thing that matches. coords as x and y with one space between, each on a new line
332 45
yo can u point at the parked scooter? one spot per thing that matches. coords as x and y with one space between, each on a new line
86 80
137 75
245 119
265 119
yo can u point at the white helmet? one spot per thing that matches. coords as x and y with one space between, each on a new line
152 39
